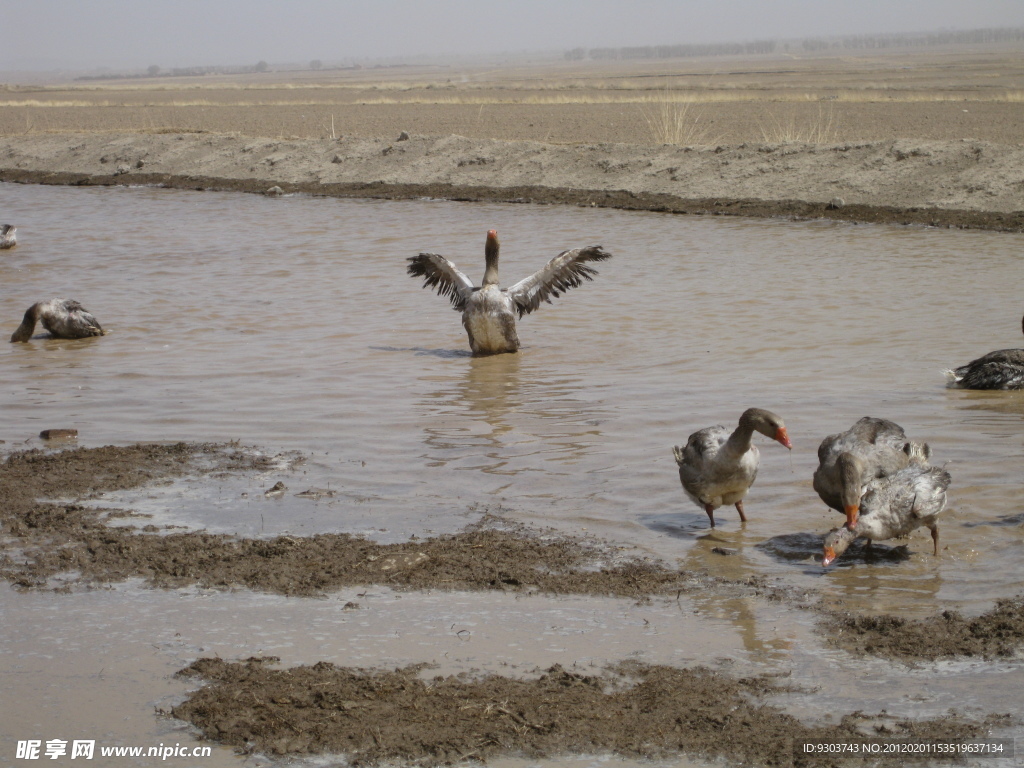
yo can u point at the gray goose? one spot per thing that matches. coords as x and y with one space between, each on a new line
718 466
489 311
1002 369
847 461
63 318
894 506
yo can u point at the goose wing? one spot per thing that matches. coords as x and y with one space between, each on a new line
567 270
437 272
694 460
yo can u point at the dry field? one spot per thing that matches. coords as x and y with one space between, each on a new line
934 94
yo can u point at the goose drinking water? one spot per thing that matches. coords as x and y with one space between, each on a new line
893 507
64 318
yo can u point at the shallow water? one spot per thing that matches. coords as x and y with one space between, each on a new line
290 324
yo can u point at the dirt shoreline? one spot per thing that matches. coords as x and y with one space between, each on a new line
63 545
962 184
52 540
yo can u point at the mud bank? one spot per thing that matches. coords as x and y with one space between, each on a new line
964 184
633 709
52 540
64 544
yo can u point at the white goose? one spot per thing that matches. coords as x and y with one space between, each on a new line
892 507
8 236
717 467
489 312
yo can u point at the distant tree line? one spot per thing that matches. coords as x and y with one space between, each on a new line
155 71
846 42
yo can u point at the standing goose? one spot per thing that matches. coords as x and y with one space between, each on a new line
64 318
894 506
489 311
8 236
848 461
718 467
1002 369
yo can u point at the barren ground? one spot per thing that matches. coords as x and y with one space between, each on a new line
932 138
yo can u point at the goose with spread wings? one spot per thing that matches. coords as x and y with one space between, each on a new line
489 311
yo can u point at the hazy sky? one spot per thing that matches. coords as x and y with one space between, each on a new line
45 34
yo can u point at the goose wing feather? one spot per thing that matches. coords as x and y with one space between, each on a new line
439 273
697 460
894 506
567 270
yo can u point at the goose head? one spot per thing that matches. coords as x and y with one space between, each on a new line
850 470
491 258
767 423
837 541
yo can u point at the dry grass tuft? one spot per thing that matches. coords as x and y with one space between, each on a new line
819 130
676 121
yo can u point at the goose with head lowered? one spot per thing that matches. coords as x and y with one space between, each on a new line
489 312
63 318
8 236
869 450
892 507
717 466
1002 369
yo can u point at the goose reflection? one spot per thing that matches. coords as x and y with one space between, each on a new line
722 554
1010 403
502 408
874 580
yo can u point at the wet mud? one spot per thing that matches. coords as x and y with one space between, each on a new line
633 709
998 633
62 544
52 539
620 199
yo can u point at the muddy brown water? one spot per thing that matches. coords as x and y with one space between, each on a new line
290 324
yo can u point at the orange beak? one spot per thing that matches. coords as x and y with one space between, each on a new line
782 436
830 555
851 515
492 234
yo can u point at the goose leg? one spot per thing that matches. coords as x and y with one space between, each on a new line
711 514
935 539
739 508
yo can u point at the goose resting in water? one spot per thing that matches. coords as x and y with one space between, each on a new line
1002 369
489 311
64 318
718 467
848 461
8 236
894 506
